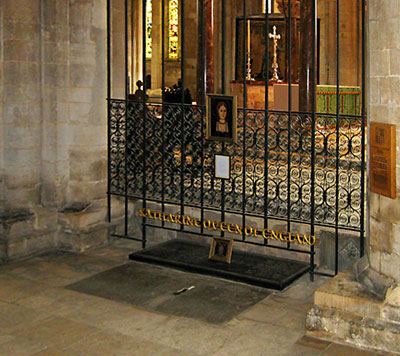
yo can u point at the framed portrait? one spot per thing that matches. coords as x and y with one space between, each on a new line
221 249
221 118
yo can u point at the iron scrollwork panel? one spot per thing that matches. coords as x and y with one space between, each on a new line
166 147
117 146
135 152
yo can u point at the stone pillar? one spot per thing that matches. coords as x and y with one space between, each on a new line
74 131
2 148
55 115
350 42
53 129
118 47
21 102
191 32
294 49
3 245
137 43
307 24
205 6
209 44
156 64
23 228
82 143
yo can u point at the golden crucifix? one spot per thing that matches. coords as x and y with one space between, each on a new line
275 37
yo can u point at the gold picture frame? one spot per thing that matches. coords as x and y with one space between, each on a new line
221 249
222 118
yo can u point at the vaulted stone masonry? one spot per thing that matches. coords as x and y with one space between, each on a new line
53 129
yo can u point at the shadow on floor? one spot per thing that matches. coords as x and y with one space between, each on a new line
151 287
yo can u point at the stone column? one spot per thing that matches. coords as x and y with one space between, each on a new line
191 65
118 47
350 42
24 227
137 44
156 64
53 126
209 44
55 115
294 49
2 195
205 6
307 23
82 140
20 102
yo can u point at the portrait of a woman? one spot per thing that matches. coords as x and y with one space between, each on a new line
221 125
221 118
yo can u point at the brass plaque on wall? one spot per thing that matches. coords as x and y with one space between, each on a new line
383 159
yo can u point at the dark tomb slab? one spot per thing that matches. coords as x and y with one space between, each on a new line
152 288
260 270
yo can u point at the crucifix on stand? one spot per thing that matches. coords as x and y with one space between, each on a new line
275 37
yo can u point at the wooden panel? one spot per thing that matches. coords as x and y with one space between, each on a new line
383 159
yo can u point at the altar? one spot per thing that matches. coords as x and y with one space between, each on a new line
278 97
349 99
326 102
255 93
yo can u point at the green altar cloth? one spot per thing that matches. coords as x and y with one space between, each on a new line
349 100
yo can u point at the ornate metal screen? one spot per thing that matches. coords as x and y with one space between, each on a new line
296 167
178 168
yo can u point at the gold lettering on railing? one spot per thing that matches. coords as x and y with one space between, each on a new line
214 225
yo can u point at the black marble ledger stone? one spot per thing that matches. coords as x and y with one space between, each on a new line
251 268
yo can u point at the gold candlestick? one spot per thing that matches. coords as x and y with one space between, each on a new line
248 36
248 66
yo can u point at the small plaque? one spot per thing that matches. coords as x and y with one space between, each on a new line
222 166
383 159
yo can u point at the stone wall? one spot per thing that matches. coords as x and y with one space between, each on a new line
384 106
362 306
21 121
2 183
53 132
21 103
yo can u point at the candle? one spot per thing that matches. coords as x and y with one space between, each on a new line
248 36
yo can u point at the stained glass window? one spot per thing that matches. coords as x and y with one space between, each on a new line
149 24
173 29
268 4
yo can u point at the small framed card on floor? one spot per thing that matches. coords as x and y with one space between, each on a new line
221 249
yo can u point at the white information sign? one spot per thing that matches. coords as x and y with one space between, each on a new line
222 166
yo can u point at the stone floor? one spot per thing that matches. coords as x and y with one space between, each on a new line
39 316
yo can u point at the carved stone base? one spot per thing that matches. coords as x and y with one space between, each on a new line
31 231
348 313
26 232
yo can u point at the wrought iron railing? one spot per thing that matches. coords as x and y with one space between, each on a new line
182 165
